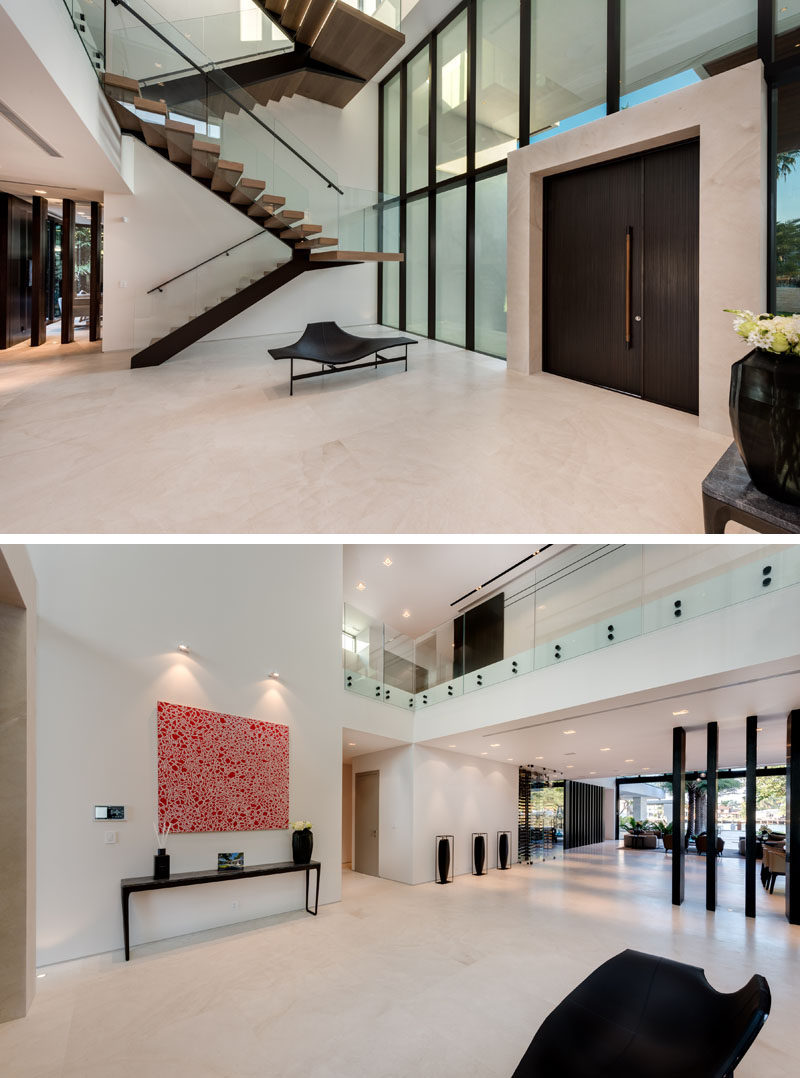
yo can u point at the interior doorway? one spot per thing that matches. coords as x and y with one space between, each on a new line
621 275
367 818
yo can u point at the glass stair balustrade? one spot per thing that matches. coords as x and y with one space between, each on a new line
585 600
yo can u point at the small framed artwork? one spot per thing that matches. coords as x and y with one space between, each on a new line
230 860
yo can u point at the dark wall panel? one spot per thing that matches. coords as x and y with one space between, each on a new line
478 636
583 814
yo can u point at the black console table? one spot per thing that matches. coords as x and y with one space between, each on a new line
728 494
187 879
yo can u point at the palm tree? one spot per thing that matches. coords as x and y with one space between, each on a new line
697 789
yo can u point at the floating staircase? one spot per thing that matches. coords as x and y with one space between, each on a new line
149 120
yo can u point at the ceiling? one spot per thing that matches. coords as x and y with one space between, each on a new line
636 730
357 743
425 578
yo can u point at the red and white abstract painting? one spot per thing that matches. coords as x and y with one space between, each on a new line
221 772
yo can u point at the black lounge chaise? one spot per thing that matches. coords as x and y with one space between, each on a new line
328 344
647 1017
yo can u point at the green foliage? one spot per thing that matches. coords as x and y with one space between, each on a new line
771 792
662 827
635 827
787 248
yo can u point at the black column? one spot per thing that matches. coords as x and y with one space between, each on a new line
614 54
678 796
67 271
5 267
751 753
792 820
525 72
712 754
39 261
95 273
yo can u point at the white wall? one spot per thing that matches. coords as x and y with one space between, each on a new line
395 812
456 795
425 792
110 618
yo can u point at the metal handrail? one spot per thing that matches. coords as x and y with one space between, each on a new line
241 243
222 89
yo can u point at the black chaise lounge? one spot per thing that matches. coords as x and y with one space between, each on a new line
647 1017
329 345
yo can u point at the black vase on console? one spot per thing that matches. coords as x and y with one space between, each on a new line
479 854
302 845
161 865
502 850
765 416
443 859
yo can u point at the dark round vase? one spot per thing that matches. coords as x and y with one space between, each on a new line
502 850
479 854
765 416
443 859
302 845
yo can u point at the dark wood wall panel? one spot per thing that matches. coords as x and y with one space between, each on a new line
67 272
587 216
670 324
39 261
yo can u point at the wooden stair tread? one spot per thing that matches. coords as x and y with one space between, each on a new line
180 128
355 256
292 14
120 82
300 232
316 241
316 14
144 104
205 147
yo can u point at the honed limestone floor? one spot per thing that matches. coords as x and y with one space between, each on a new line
397 981
212 442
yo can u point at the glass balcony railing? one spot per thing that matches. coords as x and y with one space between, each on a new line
584 600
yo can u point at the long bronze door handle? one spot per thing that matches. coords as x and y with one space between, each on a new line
628 235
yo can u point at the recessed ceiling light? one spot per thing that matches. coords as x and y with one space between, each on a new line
538 757
361 586
40 192
592 772
157 64
406 613
387 561
451 746
569 766
41 975
484 754
569 731
606 749
273 674
683 711
351 744
184 648
494 745
629 760
510 759
759 729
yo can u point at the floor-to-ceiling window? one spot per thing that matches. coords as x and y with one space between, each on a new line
498 74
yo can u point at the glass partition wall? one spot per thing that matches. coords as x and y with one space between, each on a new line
585 599
499 74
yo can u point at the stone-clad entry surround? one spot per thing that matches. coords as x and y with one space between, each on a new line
729 114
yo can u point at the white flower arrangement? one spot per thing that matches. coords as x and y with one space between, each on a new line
776 333
301 825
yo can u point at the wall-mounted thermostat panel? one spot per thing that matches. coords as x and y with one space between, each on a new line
109 812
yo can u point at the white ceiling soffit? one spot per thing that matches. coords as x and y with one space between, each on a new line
425 578
358 743
632 735
38 119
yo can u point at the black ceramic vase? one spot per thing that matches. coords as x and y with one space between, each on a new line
765 416
302 845
502 850
443 859
479 854
161 865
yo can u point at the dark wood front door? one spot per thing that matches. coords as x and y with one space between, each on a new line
621 275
